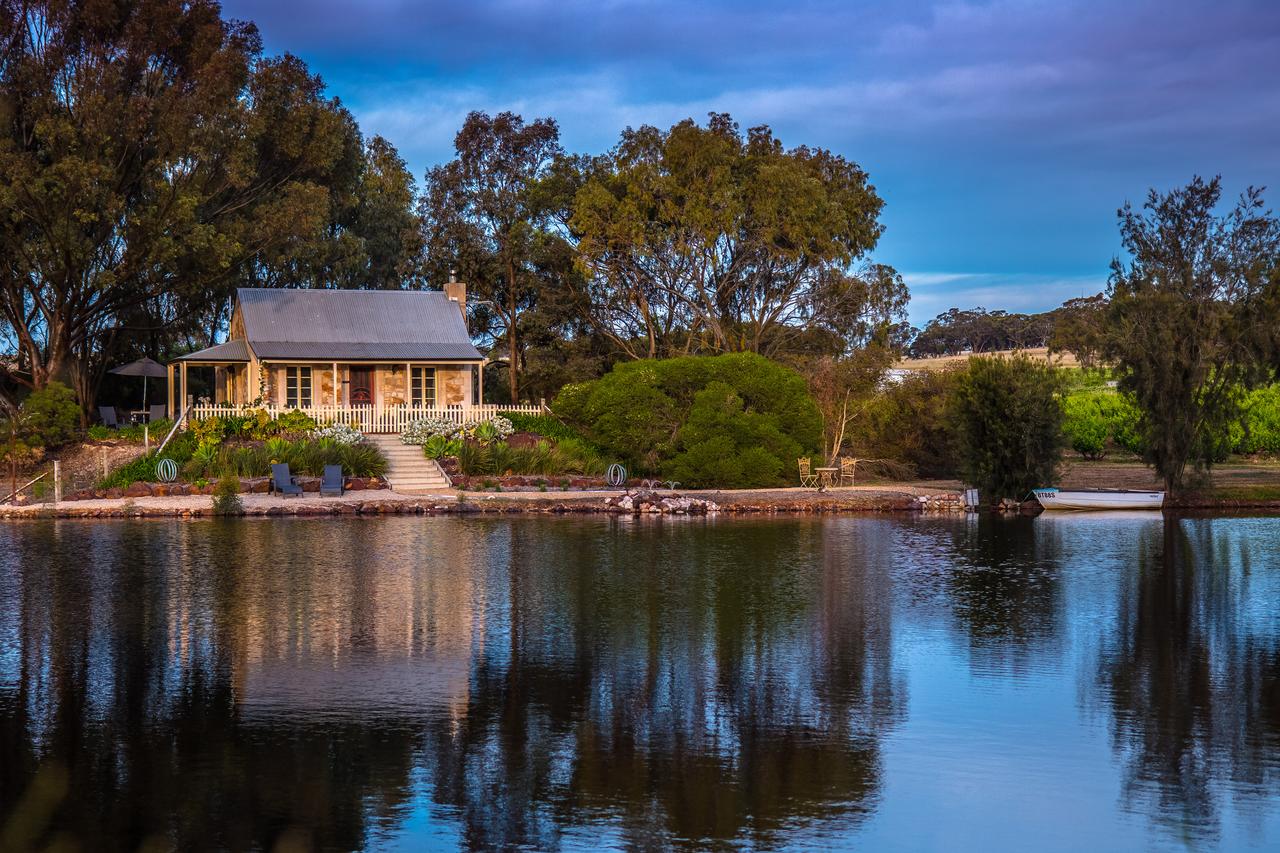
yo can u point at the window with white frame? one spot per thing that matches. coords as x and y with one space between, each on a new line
297 387
424 386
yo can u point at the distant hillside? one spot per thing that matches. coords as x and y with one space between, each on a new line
1065 359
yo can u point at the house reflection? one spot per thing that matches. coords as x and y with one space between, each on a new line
232 684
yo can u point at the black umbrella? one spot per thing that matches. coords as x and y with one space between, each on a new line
143 367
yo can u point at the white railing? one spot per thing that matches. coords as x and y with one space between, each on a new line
371 419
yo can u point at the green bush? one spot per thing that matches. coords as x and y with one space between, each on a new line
231 459
682 416
1096 421
910 421
1085 425
50 416
226 496
1260 430
1009 425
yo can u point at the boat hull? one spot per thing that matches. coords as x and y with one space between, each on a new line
1085 500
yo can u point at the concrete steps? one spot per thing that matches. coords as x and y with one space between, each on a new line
407 469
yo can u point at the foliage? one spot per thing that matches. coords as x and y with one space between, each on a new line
565 457
485 430
545 425
235 458
1260 431
706 239
910 421
482 212
844 388
151 159
439 446
675 416
1009 424
1096 421
226 496
339 433
50 416
1191 322
979 330
1079 327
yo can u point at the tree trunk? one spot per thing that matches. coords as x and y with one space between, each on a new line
511 330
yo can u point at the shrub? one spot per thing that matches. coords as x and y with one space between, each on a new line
1085 426
547 426
487 430
98 432
1009 424
50 416
680 416
226 496
438 447
360 460
1260 430
141 469
294 422
911 422
339 434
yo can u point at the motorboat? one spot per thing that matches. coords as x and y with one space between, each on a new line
1097 499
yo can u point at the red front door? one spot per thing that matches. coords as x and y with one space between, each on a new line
361 386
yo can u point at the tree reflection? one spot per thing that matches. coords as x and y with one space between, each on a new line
1191 680
1003 586
233 685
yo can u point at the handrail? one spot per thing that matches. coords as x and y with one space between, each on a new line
24 487
181 419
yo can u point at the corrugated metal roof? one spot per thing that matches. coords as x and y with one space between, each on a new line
397 351
391 324
230 351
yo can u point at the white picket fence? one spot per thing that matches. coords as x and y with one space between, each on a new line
372 419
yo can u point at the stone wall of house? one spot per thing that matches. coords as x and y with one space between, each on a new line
322 385
453 386
392 387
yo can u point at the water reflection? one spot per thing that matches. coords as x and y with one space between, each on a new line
1191 676
589 683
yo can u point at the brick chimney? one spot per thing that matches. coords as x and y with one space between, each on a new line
457 291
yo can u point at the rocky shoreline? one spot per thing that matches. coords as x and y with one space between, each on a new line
380 502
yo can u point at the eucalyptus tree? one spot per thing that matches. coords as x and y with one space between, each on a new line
151 160
1194 318
701 239
483 216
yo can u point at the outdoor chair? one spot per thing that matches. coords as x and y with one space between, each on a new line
331 484
284 482
848 467
108 415
158 412
808 479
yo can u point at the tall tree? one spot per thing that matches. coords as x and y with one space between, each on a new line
703 239
483 215
1192 321
150 160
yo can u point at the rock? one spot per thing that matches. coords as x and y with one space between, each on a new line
310 485
257 487
355 484
160 490
137 490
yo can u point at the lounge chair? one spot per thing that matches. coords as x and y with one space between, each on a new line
848 467
108 415
808 479
284 482
331 483
158 412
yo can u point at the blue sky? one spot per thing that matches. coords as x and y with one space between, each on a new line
1002 135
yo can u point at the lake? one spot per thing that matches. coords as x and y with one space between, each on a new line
585 683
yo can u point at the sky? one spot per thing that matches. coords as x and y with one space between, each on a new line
1003 136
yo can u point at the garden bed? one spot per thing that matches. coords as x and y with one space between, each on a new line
248 485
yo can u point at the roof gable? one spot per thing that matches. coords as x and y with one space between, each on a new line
359 324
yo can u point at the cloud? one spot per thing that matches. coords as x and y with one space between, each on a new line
1003 135
933 293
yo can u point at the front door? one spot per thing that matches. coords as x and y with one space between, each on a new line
361 386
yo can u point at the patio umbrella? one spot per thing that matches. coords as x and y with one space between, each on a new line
143 367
